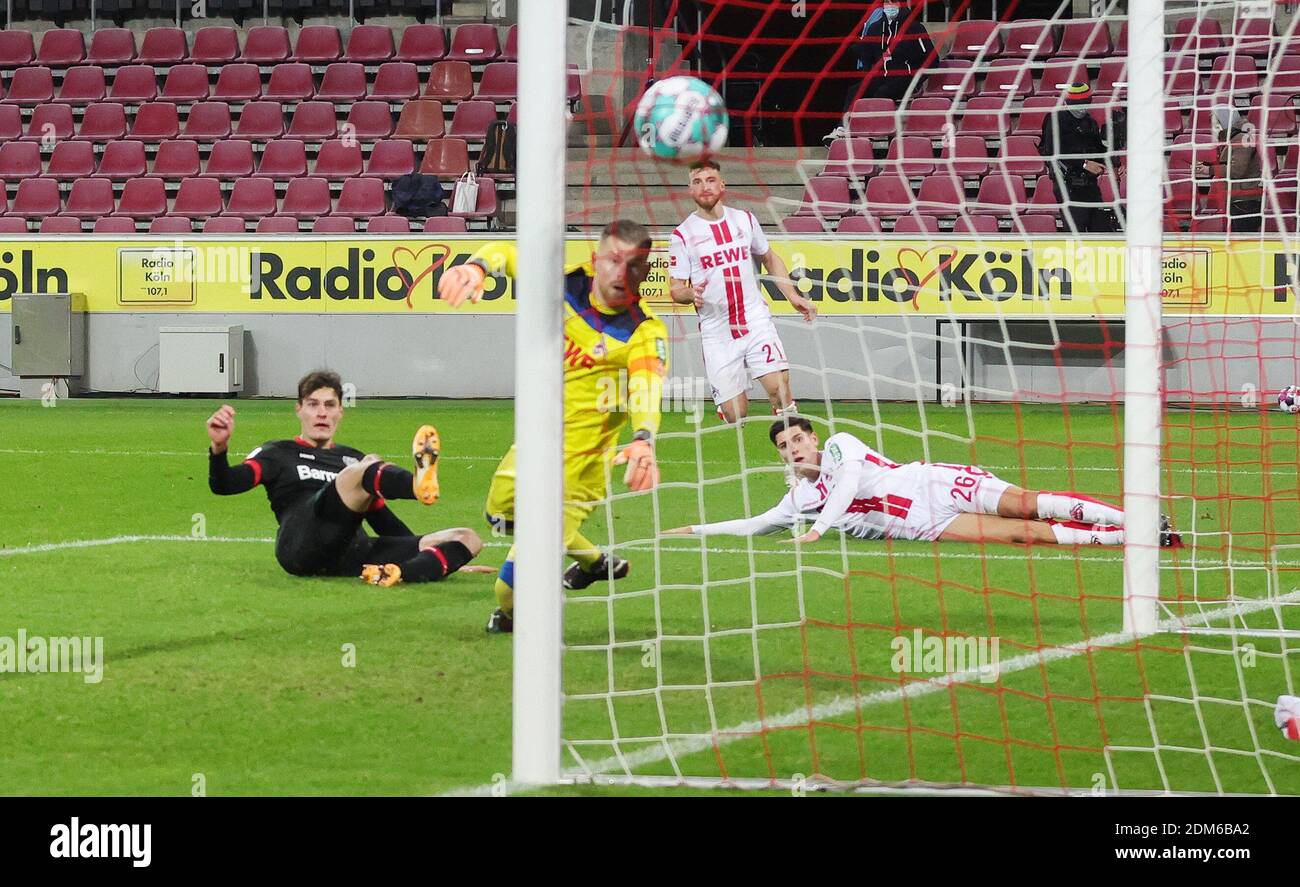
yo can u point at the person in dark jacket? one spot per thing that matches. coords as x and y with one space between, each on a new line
1072 143
1236 171
890 54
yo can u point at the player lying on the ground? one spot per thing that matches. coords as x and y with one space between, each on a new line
321 492
848 486
607 333
711 258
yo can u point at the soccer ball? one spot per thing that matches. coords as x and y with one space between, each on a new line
681 118
1288 399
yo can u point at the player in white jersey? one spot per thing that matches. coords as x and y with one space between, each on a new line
712 256
848 486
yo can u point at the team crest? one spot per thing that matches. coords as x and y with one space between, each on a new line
835 452
599 349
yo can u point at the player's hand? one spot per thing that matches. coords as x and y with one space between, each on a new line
804 307
642 472
807 538
479 568
221 425
461 282
677 531
699 294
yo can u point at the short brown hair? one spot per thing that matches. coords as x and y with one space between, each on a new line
317 379
790 422
706 163
629 232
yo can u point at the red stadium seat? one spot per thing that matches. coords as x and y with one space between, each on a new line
976 39
112 46
284 159
444 225
83 85
11 122
909 156
334 225
888 194
391 159
1033 112
313 122
252 198
1181 76
1020 157
185 84
916 224
1281 120
50 124
231 159
965 157
450 82
986 116
1235 75
215 46
171 225
74 160
31 86
239 82
471 120
941 194
318 45
370 120
1283 80
155 121
369 45
307 198
826 197
262 121
859 225
337 159
19 226
198 199
114 225
388 224
122 160
420 121
802 225
343 82
208 122
362 198
954 79
266 45
1254 36
36 198
1001 194
446 159
873 118
225 225
62 48
290 82
512 116
60 225
396 82
141 198
17 49
852 158
499 83
176 159
134 85
19 160
573 86
422 44
1084 39
1200 36
91 198
477 43
1028 38
486 206
978 223
1059 75
1113 76
928 117
1040 224
1008 77
510 52
102 122
163 46
277 225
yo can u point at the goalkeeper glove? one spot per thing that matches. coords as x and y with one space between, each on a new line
461 282
642 472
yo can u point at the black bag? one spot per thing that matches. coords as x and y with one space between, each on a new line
418 196
498 155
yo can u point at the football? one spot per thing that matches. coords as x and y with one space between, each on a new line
681 118
1288 399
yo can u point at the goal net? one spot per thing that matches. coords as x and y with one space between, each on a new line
972 311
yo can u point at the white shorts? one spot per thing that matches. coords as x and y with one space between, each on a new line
924 498
732 364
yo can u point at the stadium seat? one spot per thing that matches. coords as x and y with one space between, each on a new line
50 124
976 39
334 225
370 120
171 225
141 198
30 86
1084 40
1121 38
122 160
1044 201
163 46
176 159
1008 77
208 121
318 45
802 225
873 118
512 116
277 225
388 224
1002 194
11 122
155 121
60 225
111 46
1059 75
852 158
369 45
1182 78
1112 77
134 85
214 46
1035 224
198 199
1197 36
313 122
916 224
979 223
252 198
284 159
986 116
1033 111
361 198
510 51
343 82
17 49
239 82
499 83
290 82
1029 38
1020 157
446 159
826 197
572 88
396 82
61 48
964 156
471 120
102 122
420 121
185 84
19 226
1254 36
337 159
19 160
35 199
422 44
114 225
953 79
484 208
909 156
82 85
940 194
225 225
450 82
444 225
307 198
1234 75
859 225
1283 80
888 194
230 159
266 45
91 198
477 43
391 159
927 117
1281 120
263 121
74 160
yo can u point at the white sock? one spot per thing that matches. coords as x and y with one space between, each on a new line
1065 506
1071 536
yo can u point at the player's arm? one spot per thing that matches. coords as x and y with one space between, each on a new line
770 521
646 367
462 282
837 503
777 270
385 523
684 293
225 479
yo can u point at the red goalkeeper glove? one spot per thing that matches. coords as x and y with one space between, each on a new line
642 472
461 282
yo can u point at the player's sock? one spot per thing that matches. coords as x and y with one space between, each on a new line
1079 509
790 409
1071 533
438 562
387 481
583 550
505 587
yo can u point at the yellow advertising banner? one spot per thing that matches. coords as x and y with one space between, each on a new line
964 277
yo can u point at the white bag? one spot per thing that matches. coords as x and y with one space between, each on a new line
465 197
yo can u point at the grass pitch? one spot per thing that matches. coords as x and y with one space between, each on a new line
720 656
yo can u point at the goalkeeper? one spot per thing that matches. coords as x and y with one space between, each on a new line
608 333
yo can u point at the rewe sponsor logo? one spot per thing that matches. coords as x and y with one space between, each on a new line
90 841
39 655
936 655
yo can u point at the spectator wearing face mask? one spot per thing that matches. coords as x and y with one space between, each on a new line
1236 171
891 54
1072 143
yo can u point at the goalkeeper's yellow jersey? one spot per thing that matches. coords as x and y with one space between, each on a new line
614 360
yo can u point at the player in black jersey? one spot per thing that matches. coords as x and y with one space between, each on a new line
321 492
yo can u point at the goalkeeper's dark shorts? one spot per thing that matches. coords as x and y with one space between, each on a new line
323 537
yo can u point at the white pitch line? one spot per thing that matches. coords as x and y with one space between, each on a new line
843 705
119 540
